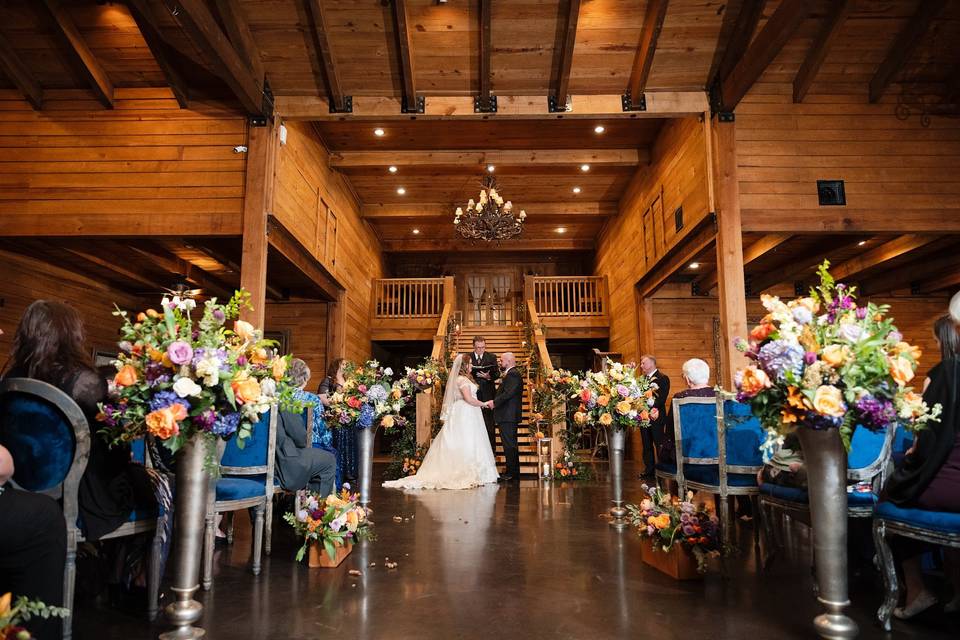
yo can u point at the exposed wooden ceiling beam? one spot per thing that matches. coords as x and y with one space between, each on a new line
763 246
927 268
96 77
486 49
199 24
903 46
949 280
797 267
480 159
880 254
737 30
829 30
836 220
563 55
238 30
334 90
408 78
165 259
660 104
435 210
523 244
761 52
146 22
643 60
13 67
125 274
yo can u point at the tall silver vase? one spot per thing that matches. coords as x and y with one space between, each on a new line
189 516
365 438
617 438
826 462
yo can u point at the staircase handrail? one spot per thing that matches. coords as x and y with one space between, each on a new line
425 401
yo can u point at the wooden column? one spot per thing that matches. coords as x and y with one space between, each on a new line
730 289
337 328
263 144
424 417
449 293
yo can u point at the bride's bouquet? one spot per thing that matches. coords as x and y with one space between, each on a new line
369 396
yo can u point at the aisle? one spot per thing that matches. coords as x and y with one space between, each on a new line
498 562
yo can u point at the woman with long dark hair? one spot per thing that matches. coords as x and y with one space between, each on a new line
929 477
50 345
344 436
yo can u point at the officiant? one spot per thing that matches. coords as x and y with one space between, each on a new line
486 371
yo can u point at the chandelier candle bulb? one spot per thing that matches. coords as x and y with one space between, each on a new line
490 218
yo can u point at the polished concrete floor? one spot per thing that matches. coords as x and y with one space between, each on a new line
505 562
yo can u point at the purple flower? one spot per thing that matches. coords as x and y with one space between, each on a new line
778 357
810 357
895 336
180 352
623 391
875 413
163 399
688 530
226 425
861 313
242 360
219 316
802 315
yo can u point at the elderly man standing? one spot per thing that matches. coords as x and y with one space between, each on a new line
653 436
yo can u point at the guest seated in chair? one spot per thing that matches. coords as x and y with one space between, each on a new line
786 466
50 345
33 547
320 436
300 466
696 375
929 477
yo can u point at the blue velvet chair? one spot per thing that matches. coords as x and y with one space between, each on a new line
49 439
246 482
718 450
938 528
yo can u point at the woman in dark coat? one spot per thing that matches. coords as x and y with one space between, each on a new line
929 477
344 436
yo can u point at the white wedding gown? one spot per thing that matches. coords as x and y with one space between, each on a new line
460 455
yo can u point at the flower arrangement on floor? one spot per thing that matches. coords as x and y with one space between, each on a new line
331 521
667 520
406 455
571 467
824 361
622 397
369 396
178 375
13 614
426 376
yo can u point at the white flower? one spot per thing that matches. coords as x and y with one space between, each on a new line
208 368
388 372
268 387
338 523
850 331
184 387
302 515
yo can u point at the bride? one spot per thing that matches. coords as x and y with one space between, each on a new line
460 456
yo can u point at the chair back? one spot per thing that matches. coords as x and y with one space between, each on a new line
743 436
258 455
47 436
308 420
870 451
695 431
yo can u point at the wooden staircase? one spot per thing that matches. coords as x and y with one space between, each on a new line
501 339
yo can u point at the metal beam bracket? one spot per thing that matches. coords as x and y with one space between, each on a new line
725 116
258 121
695 289
347 106
630 105
553 106
490 107
419 105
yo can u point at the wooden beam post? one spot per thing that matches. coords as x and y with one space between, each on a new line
337 328
449 292
263 148
97 78
13 67
904 45
839 10
405 54
560 87
486 48
424 417
731 290
643 60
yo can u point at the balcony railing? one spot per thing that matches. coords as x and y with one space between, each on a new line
568 296
411 298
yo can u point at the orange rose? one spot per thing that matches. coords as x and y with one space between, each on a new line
761 332
606 419
246 390
754 381
580 417
603 401
828 400
155 354
153 313
623 407
258 356
179 411
162 423
244 330
835 355
141 317
913 351
901 370
644 415
126 376
279 368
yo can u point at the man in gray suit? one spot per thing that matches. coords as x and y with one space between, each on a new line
299 465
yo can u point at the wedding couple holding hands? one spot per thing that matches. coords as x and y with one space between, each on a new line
461 456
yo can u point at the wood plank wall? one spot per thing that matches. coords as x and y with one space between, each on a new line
309 197
305 324
145 167
632 241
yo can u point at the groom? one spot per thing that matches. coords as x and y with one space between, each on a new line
507 409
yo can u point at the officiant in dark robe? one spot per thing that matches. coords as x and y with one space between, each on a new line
486 371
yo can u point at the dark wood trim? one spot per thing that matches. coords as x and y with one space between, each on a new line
486 48
903 46
13 67
829 30
238 30
643 60
560 87
408 78
146 22
737 30
95 76
334 89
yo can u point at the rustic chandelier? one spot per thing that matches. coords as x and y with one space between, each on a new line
489 218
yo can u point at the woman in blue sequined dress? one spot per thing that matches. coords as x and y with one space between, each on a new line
321 438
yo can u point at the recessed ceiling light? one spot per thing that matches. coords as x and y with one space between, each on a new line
491 168
401 190
416 232
861 243
576 189
392 169
694 265
378 132
599 128
561 229
584 168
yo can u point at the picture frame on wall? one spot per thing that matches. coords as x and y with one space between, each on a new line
282 339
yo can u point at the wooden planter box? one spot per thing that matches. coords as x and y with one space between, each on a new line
678 563
318 556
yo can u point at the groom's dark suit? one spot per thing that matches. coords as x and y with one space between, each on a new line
507 410
486 389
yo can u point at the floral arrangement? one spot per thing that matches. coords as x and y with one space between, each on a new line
622 397
178 376
334 520
411 464
571 467
14 613
369 396
824 361
426 375
667 520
